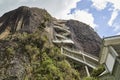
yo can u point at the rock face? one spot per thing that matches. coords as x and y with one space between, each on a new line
84 37
25 19
16 52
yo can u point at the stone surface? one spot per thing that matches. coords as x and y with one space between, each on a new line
25 19
29 19
84 37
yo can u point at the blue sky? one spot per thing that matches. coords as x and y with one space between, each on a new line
102 15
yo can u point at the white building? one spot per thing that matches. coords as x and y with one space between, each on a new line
110 57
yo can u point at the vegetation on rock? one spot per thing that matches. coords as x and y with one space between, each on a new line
28 52
98 71
32 57
90 78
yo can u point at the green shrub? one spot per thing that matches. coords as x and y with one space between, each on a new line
90 78
40 60
98 71
10 52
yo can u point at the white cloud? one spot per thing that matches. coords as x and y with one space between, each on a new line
116 26
118 33
83 16
99 4
57 8
102 4
22 0
1 2
116 4
115 8
61 8
113 16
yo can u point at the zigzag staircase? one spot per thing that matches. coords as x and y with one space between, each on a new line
61 35
81 57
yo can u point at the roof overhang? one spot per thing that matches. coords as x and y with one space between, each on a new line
113 40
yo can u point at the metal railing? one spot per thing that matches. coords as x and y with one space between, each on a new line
81 57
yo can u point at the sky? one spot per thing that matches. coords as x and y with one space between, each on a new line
102 15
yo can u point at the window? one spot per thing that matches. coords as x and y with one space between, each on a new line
110 61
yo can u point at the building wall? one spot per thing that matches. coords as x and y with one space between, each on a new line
103 55
115 74
110 62
107 76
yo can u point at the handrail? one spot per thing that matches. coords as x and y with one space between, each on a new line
61 36
83 53
79 57
65 34
79 60
62 28
69 41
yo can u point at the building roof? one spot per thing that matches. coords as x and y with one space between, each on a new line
111 43
111 37
112 40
